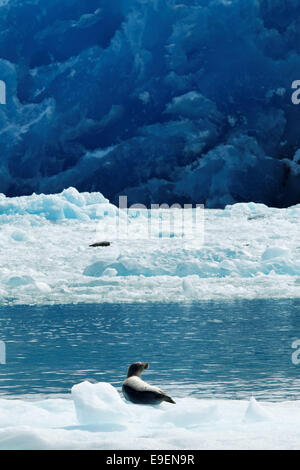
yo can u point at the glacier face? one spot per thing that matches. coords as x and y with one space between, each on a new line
162 100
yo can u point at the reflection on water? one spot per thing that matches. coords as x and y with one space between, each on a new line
207 349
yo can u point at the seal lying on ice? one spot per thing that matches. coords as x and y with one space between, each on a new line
138 391
100 244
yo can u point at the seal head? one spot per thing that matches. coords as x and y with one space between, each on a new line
137 391
137 368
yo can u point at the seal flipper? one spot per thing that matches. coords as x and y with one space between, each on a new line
168 399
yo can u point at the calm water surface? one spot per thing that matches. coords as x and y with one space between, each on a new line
208 349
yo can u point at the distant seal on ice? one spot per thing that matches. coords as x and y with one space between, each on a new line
137 391
100 244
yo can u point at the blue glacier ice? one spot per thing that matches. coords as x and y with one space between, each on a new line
162 100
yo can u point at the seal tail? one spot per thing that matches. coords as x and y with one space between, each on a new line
169 399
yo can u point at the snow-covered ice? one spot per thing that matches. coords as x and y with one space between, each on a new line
248 251
95 416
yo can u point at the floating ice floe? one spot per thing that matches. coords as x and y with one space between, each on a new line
96 416
246 251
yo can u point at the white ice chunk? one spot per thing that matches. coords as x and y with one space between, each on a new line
255 412
111 272
98 403
275 252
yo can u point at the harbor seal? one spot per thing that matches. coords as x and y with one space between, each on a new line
100 244
137 391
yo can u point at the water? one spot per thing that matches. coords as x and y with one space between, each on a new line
208 349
